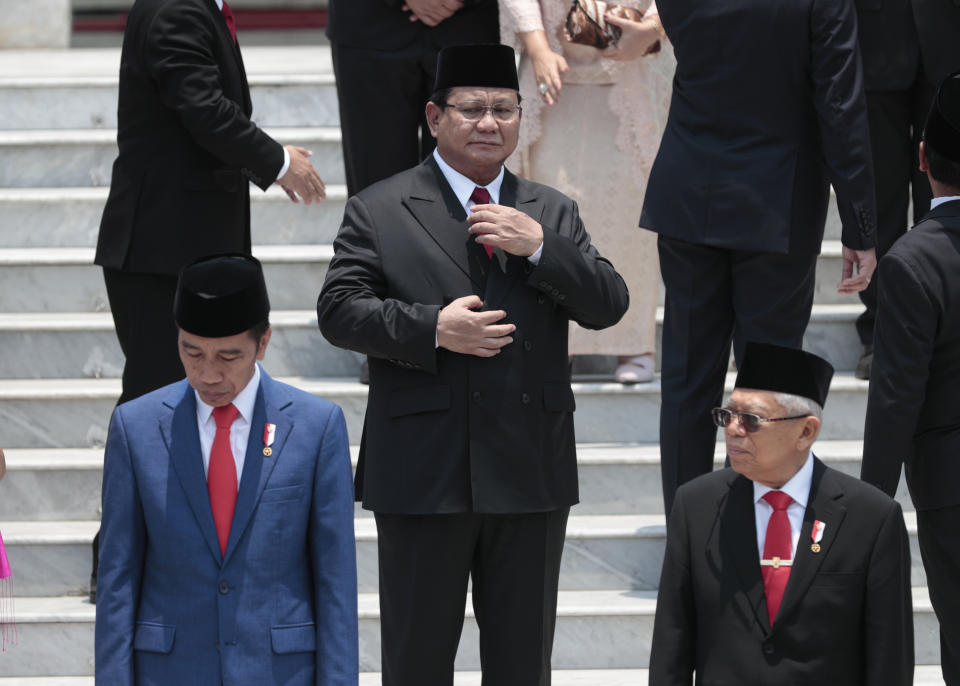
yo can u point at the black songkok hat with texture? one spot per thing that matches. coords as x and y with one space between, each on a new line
942 131
221 296
476 66
774 368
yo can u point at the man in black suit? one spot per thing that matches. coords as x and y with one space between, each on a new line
908 46
180 185
385 58
781 570
459 280
767 111
913 417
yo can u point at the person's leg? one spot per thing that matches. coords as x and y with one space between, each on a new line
922 97
937 532
516 576
697 326
425 563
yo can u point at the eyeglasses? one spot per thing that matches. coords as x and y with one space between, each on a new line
750 422
475 111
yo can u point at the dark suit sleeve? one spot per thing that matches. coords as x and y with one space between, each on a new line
353 309
179 56
576 277
888 610
841 106
122 538
904 333
673 653
333 557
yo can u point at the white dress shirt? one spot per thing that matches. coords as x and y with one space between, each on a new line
463 189
239 431
797 488
942 199
286 155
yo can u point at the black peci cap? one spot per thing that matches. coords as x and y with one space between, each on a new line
220 296
478 66
942 131
774 368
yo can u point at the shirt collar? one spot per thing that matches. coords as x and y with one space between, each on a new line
797 488
942 199
462 186
219 4
244 401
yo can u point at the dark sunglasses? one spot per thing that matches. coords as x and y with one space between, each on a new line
750 422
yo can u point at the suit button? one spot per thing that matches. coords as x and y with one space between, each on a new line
525 398
544 284
528 346
224 588
217 644
541 300
477 396
768 649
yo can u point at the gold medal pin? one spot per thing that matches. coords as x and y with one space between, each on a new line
269 431
817 535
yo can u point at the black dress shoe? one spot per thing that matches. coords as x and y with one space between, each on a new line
864 364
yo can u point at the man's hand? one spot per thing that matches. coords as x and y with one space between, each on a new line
866 261
506 228
431 12
461 329
301 178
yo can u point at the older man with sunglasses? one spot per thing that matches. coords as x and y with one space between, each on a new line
779 569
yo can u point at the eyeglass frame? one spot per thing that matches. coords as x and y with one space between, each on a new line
516 109
714 413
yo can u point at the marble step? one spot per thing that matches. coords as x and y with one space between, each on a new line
84 157
73 413
595 630
70 217
84 344
94 5
602 552
615 479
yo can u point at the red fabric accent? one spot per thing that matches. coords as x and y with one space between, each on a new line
230 19
481 196
778 543
222 474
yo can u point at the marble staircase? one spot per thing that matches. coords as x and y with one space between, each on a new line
59 379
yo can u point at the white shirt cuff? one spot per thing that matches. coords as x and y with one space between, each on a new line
535 257
286 164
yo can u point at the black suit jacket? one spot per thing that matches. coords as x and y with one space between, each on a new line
767 110
898 36
913 412
382 25
446 432
846 616
180 185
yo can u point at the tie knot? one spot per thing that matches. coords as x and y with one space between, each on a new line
480 196
778 500
224 416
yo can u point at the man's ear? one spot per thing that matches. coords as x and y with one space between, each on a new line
264 342
924 164
434 112
811 429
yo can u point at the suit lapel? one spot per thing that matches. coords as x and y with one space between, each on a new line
507 269
179 430
224 34
439 213
822 505
738 537
256 466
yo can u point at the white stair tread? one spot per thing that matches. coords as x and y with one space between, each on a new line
335 191
83 256
285 134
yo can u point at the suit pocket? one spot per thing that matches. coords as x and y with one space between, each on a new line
154 638
558 397
281 494
837 579
294 638
416 400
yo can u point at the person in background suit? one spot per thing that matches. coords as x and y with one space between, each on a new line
228 551
779 569
908 46
385 58
459 280
913 417
767 111
180 184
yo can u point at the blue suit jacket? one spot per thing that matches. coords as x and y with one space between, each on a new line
281 606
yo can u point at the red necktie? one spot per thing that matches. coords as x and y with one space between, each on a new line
777 552
481 196
222 475
231 21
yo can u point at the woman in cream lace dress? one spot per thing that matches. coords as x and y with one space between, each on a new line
591 130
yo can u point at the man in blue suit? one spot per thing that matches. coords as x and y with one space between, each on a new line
227 553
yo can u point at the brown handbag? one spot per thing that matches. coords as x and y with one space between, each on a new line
585 23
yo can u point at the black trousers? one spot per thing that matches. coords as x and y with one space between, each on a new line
937 532
715 296
425 564
896 124
382 99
